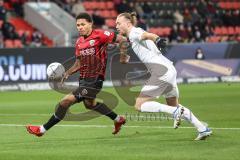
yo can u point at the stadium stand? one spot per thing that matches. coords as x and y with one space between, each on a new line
17 33
177 20
222 18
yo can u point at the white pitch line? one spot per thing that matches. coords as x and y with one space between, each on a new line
107 126
31 114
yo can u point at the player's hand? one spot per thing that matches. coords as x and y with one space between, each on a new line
65 77
124 58
161 43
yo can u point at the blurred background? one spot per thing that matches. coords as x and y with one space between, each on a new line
203 36
203 42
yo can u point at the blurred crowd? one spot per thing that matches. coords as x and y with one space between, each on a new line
8 33
192 21
189 21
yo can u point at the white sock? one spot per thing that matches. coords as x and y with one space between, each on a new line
189 116
117 118
152 106
42 129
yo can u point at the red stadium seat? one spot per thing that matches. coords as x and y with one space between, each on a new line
153 30
87 5
94 5
224 30
47 42
110 5
166 31
222 5
18 43
7 6
214 39
20 32
228 5
1 22
105 13
237 30
237 5
238 39
101 5
8 43
111 23
231 31
160 31
90 11
21 24
217 31
113 14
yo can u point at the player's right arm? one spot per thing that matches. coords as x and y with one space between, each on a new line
75 67
160 42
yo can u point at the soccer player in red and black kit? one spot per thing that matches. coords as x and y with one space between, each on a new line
91 59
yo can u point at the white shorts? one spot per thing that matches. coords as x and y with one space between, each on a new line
165 86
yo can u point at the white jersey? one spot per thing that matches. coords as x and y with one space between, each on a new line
146 50
163 74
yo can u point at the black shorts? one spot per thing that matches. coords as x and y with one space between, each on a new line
88 88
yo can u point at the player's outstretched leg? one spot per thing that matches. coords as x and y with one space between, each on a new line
203 130
104 110
177 117
61 110
152 106
203 135
178 113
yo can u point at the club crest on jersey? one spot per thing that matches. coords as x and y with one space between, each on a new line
91 42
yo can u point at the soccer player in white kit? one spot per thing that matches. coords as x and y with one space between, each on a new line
163 75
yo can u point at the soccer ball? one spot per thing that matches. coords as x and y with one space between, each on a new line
55 70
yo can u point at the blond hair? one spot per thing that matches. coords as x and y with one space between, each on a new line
130 16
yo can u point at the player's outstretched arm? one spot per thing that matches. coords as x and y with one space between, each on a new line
123 46
161 43
75 67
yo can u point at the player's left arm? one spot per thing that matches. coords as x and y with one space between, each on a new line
161 43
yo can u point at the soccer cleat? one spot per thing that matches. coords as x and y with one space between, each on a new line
35 130
118 125
203 135
177 117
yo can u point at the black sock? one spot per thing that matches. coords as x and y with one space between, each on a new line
104 110
51 122
57 117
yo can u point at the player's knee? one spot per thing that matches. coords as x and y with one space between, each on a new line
88 105
137 106
66 103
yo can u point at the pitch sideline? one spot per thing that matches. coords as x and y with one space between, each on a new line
106 126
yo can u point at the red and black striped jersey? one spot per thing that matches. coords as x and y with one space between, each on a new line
92 53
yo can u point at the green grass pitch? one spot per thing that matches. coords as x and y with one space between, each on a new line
217 104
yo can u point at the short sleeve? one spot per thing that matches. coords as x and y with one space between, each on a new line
108 37
136 34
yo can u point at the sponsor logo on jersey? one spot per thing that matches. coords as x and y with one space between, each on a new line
88 51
